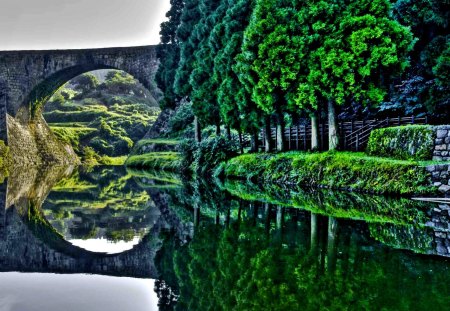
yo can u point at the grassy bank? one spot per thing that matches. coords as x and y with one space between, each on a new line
168 161
334 170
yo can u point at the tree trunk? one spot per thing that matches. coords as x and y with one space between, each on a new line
254 142
280 132
197 130
218 129
228 133
240 142
267 135
314 132
333 139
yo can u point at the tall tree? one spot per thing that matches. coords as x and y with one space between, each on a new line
236 108
266 65
203 94
169 54
359 47
190 17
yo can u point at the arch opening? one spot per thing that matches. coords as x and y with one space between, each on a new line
84 114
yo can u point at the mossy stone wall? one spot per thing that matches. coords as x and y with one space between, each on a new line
411 142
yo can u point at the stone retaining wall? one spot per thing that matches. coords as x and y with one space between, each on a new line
440 177
441 150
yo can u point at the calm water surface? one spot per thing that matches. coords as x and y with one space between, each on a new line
110 239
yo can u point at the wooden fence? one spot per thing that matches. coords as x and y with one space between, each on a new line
353 135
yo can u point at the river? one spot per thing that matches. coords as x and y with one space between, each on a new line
105 238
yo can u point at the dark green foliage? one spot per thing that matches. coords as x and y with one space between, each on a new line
237 110
212 151
203 96
188 44
187 149
413 142
201 158
420 91
169 54
85 82
352 171
182 119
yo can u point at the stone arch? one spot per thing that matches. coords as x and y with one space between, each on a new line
31 77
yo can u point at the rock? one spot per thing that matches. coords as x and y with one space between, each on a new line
444 188
440 235
441 133
437 158
439 141
444 153
441 249
447 140
442 147
437 184
430 168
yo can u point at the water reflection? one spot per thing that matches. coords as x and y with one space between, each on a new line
231 246
74 292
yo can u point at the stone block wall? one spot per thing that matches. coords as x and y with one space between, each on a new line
440 177
441 150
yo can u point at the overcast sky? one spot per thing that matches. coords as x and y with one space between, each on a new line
64 24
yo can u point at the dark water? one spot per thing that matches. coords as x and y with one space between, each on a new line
111 239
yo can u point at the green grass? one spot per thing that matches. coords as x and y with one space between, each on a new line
334 170
106 160
171 142
156 160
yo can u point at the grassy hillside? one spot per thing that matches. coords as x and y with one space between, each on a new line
101 119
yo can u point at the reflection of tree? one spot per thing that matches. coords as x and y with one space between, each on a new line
317 263
104 202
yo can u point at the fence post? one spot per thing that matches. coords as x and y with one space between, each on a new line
398 122
412 120
426 119
290 134
298 133
304 138
387 121
357 142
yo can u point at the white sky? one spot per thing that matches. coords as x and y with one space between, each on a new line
66 24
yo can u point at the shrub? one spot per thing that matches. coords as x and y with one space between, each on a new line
182 118
187 148
412 142
212 151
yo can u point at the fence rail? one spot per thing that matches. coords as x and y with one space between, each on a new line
353 135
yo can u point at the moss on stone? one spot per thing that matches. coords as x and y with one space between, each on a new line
411 142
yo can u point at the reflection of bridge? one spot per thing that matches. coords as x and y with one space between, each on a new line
29 244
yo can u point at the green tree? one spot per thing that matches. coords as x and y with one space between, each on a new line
203 93
85 83
262 67
236 107
358 47
169 54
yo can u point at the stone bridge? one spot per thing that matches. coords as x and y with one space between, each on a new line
29 78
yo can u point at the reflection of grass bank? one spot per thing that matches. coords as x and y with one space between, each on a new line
155 160
372 209
154 178
335 170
